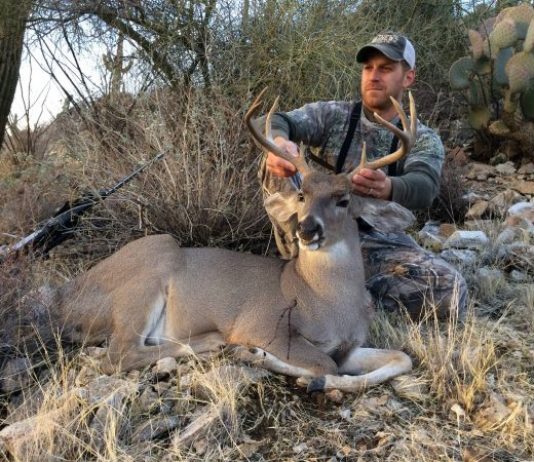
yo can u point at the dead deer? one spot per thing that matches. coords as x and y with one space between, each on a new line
306 317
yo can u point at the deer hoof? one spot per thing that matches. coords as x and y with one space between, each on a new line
316 384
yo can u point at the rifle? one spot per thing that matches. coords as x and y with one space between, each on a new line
62 224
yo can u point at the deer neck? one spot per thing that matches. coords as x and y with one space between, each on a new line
333 270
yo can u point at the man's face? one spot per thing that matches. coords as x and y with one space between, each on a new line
382 78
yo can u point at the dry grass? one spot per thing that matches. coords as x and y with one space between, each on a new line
469 397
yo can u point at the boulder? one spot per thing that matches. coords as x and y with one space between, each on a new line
467 240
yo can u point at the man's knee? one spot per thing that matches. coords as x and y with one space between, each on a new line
421 291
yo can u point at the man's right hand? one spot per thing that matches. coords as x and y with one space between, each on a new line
278 166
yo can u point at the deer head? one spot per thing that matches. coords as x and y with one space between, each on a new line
320 209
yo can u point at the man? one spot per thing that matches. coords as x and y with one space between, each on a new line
399 272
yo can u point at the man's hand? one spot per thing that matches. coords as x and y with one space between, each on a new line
278 166
372 183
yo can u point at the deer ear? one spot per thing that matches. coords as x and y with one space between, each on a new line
282 208
386 216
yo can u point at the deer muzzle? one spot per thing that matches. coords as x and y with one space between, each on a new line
310 232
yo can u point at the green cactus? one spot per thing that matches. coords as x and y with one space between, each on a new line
520 69
461 72
521 15
526 102
497 78
504 35
479 117
503 56
477 44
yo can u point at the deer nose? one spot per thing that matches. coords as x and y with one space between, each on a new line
309 229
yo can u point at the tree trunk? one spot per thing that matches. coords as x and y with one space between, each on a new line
13 17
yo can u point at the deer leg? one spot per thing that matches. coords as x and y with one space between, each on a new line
295 358
376 366
120 358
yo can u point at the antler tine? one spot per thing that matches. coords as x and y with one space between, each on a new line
266 141
406 136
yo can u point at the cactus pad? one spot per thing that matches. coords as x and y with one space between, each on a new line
461 73
521 15
526 101
477 44
528 44
504 35
479 117
498 128
502 58
520 69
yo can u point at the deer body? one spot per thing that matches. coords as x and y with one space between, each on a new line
249 300
306 318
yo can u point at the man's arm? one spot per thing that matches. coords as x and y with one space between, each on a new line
419 181
309 124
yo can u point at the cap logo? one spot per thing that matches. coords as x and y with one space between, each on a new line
385 39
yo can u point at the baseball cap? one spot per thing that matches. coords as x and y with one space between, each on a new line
394 46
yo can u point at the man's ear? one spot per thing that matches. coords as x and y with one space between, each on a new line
282 208
409 78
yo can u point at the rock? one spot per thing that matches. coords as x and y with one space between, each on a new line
16 375
108 390
477 225
147 402
489 277
500 203
299 448
26 440
249 447
479 171
522 210
492 413
518 254
108 395
95 352
155 427
460 258
430 240
506 169
164 368
467 240
446 230
499 158
336 396
477 210
526 169
523 187
203 422
509 235
471 197
518 276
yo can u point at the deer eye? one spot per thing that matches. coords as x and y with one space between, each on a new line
300 196
343 202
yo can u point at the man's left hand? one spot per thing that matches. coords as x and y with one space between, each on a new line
372 183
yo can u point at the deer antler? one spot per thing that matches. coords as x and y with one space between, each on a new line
267 142
406 136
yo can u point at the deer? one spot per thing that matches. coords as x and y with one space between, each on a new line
307 317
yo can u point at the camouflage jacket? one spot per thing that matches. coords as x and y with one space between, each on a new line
322 126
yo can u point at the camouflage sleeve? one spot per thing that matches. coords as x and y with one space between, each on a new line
309 124
418 184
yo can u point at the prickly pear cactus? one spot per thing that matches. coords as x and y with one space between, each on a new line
498 78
